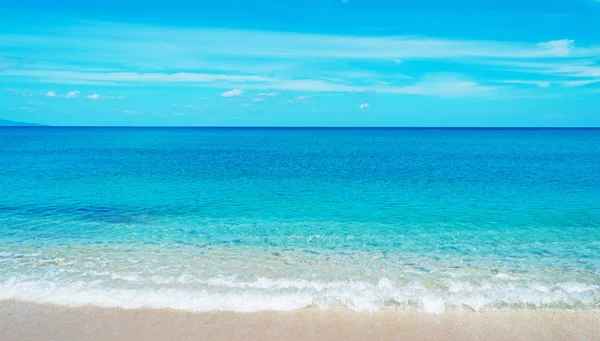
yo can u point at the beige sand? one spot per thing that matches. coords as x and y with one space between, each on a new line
30 321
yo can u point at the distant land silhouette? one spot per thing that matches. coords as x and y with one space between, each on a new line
7 123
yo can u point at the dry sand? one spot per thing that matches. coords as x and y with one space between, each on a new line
30 321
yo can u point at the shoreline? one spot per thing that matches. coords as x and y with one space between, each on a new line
21 320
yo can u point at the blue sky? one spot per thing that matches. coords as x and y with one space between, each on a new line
310 63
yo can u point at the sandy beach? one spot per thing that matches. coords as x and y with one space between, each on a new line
31 321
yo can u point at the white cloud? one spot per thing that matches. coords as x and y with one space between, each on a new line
293 45
94 77
445 89
364 106
72 95
69 95
541 84
96 97
436 85
580 68
232 93
580 82
283 61
131 111
258 100
440 85
431 87
563 47
204 48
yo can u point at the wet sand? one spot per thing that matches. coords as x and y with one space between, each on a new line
31 321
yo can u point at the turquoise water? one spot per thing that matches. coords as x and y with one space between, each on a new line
278 219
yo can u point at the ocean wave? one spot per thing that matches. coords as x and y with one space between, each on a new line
229 294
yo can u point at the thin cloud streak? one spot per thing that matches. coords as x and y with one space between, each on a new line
165 40
232 93
176 48
268 61
442 87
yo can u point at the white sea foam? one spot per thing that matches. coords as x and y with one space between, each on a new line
80 293
227 294
242 280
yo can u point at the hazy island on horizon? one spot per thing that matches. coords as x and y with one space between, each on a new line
8 123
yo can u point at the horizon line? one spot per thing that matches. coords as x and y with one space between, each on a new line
36 125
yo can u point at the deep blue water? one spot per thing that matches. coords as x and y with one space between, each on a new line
251 219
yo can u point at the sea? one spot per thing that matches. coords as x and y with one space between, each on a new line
254 219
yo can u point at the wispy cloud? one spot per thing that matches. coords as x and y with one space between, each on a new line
180 77
137 40
113 54
95 96
131 112
541 84
568 68
364 106
429 85
546 84
437 85
72 95
69 95
583 82
558 48
258 100
232 93
441 85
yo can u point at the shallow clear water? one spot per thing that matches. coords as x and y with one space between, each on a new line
254 219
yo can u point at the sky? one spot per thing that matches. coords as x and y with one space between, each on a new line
308 63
